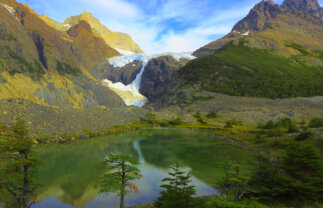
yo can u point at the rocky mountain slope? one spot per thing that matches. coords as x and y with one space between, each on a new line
274 52
50 67
114 39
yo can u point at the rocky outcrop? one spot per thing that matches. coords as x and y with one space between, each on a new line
258 18
158 75
126 74
308 6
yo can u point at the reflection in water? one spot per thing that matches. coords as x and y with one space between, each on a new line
136 146
71 170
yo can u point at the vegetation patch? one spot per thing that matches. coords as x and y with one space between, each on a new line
316 122
35 69
65 68
238 70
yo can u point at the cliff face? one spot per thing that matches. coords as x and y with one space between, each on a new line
49 67
158 75
126 74
114 39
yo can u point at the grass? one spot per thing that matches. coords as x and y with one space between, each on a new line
238 70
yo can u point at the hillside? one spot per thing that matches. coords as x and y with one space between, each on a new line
274 52
50 67
114 39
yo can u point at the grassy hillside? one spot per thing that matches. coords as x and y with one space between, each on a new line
242 71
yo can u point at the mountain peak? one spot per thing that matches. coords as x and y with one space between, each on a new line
81 26
85 12
309 6
257 17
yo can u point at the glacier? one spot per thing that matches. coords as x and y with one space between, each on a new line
130 93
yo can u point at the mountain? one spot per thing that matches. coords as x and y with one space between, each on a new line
114 39
50 67
309 6
269 24
274 52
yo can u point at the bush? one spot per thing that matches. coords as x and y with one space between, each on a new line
176 121
305 135
212 115
269 125
199 118
316 123
164 123
230 123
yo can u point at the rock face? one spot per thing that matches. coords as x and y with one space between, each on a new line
125 75
158 75
308 6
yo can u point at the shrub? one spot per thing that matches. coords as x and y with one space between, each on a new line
230 123
269 125
201 121
212 115
316 123
164 123
176 121
305 135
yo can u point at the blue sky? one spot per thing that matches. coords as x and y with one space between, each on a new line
157 25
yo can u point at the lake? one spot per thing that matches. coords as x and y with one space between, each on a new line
71 170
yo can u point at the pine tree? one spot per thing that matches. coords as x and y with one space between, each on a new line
178 192
123 171
18 167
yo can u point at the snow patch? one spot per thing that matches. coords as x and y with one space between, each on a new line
10 9
133 88
67 25
246 33
127 93
124 52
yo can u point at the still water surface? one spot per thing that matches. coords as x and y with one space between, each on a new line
71 170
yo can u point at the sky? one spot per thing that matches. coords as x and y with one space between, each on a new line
157 25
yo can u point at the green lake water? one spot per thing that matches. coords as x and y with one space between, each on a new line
71 170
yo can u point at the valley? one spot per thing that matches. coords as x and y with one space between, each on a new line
238 121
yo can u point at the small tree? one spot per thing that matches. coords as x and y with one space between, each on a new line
123 172
17 170
178 192
233 181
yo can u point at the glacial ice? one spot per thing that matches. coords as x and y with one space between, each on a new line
130 93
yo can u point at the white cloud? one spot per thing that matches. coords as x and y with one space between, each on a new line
146 30
117 8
